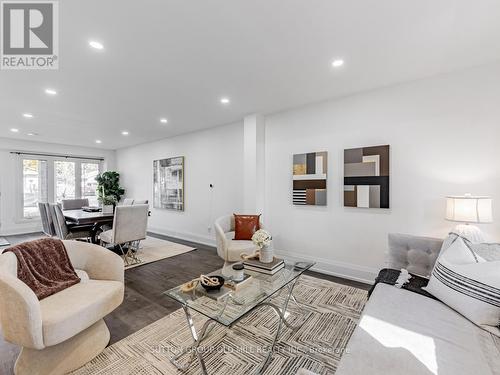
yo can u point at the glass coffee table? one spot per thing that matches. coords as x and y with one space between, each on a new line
259 291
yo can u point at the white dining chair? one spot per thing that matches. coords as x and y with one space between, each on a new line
129 228
128 202
74 204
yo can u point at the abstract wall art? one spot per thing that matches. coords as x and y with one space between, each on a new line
309 178
366 177
168 183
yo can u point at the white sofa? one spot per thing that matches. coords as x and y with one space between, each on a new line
401 332
65 330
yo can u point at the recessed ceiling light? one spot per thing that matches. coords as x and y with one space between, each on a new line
50 91
225 100
125 133
337 63
27 115
32 134
163 120
14 130
96 45
98 141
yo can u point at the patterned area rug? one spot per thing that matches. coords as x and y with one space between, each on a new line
332 312
154 249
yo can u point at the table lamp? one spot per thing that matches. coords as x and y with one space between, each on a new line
467 209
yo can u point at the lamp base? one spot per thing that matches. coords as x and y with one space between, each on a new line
471 232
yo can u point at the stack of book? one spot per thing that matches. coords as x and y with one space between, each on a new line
267 268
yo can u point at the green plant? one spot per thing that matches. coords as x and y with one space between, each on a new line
108 187
108 200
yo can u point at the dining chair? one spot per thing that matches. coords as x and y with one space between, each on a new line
65 231
45 219
129 228
145 201
52 228
128 202
74 204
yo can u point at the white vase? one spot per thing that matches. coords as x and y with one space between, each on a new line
266 254
107 209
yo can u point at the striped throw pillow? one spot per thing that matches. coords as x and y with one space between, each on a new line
468 284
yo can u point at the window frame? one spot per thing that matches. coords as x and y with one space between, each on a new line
51 180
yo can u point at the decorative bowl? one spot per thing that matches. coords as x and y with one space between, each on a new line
213 288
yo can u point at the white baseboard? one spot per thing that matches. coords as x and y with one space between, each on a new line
183 236
348 271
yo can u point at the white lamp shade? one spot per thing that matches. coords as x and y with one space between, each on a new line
469 209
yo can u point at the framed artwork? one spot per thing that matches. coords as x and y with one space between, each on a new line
309 178
168 183
366 177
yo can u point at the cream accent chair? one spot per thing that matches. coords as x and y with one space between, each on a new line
227 248
130 225
64 331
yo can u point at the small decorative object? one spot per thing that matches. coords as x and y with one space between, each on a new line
404 278
262 239
168 183
309 178
468 209
238 272
209 283
366 177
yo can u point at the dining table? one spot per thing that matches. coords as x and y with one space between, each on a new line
95 218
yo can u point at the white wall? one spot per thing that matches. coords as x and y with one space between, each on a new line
214 156
444 134
9 223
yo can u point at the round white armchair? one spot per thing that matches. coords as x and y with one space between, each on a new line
62 332
228 248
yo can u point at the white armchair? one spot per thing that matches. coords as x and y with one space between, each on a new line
61 332
227 248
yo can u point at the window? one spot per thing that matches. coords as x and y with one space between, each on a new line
34 186
88 182
54 179
64 173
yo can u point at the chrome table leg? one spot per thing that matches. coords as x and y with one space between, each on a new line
195 348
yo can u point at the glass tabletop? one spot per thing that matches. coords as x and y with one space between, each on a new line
227 306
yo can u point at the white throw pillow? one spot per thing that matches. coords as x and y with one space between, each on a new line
468 284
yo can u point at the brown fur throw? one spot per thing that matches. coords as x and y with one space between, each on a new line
44 266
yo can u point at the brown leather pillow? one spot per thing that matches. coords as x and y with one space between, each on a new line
245 226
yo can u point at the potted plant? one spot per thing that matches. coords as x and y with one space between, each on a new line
108 185
108 203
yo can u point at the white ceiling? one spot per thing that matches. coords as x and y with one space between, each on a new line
175 59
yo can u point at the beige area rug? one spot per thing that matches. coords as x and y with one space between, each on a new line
332 311
154 249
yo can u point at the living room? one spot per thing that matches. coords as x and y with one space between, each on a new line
351 144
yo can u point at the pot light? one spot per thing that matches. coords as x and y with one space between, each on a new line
163 120
98 141
50 92
27 115
125 133
32 134
96 45
337 63
14 130
225 100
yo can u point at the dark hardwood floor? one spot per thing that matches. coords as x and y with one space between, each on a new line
144 300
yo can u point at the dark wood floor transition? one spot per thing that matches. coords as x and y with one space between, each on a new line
144 301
